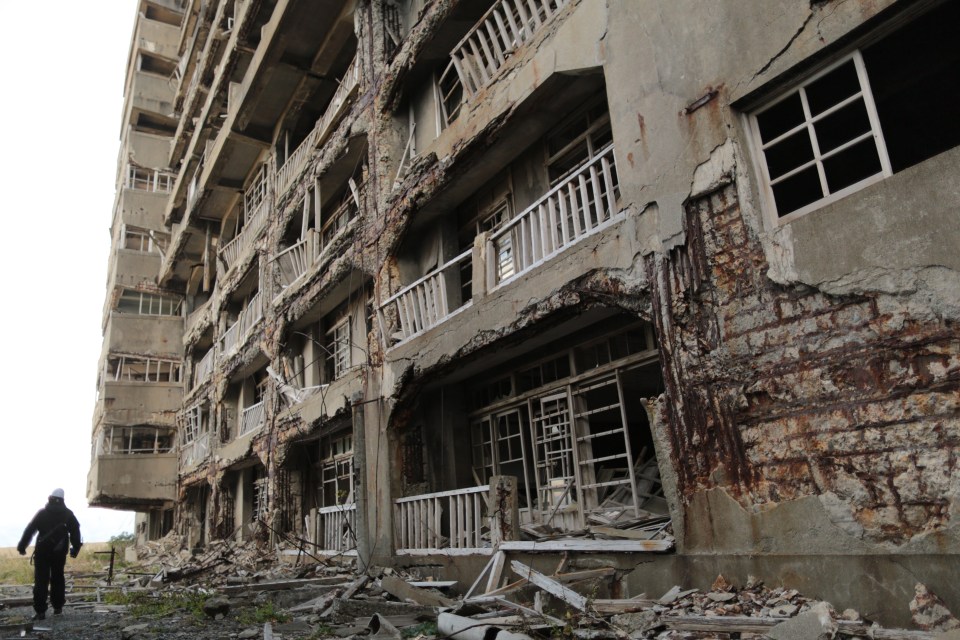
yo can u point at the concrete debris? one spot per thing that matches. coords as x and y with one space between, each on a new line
929 612
572 598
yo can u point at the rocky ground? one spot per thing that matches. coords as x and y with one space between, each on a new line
242 591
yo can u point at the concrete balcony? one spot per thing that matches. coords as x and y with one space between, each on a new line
157 335
123 402
134 481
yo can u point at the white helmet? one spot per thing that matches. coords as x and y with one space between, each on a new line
57 493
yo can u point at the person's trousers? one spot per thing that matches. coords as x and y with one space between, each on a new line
48 572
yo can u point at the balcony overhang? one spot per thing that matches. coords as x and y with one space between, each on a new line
132 482
300 46
548 104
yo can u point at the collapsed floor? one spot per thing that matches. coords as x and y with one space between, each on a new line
242 590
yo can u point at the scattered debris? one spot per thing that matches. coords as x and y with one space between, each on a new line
929 612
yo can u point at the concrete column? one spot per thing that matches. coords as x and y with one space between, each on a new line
361 473
504 510
480 274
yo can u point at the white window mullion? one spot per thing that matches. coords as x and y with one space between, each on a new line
825 190
871 106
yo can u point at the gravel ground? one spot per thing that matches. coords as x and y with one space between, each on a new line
86 623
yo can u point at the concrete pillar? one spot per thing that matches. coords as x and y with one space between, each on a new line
480 274
361 473
504 509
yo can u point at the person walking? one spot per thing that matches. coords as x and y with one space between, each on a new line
57 530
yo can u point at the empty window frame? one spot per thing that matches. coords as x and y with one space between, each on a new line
337 346
449 95
137 440
577 140
148 179
877 111
256 193
344 208
148 304
144 240
138 369
336 469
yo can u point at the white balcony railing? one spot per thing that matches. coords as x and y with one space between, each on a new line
252 314
294 164
204 368
336 528
196 451
454 520
582 204
251 418
231 252
508 24
230 339
240 330
425 303
293 262
149 180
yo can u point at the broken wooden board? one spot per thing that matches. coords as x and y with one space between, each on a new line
594 546
280 585
747 624
550 585
404 591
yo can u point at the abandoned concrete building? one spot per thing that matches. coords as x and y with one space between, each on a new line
404 278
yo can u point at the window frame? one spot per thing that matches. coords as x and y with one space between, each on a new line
758 147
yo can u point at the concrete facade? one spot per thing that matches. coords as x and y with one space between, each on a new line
423 244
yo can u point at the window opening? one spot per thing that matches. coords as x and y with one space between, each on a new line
338 346
135 369
877 111
577 141
148 304
336 470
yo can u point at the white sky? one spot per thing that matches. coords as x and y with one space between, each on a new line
62 65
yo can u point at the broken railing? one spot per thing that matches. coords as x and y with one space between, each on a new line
582 204
293 262
251 418
256 218
425 303
448 522
196 450
507 25
336 528
204 368
298 159
239 330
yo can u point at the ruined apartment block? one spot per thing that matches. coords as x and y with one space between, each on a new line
411 280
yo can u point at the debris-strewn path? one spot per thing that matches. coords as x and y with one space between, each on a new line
244 591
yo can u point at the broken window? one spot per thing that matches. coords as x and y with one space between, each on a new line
142 369
392 28
578 140
879 110
148 304
449 94
136 440
148 179
144 240
571 429
336 469
337 348
343 208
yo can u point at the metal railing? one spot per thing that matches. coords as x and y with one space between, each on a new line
195 451
336 528
251 418
149 180
204 368
239 330
507 25
445 520
294 261
425 303
582 204
293 167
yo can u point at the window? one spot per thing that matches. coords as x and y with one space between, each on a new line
148 179
338 348
134 369
144 240
336 470
578 140
137 440
148 304
449 95
879 110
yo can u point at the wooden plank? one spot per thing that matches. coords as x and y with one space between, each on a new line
589 574
405 591
747 624
496 571
476 582
550 585
598 546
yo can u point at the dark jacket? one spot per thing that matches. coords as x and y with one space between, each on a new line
56 528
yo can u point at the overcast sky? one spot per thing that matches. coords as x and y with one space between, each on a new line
62 66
